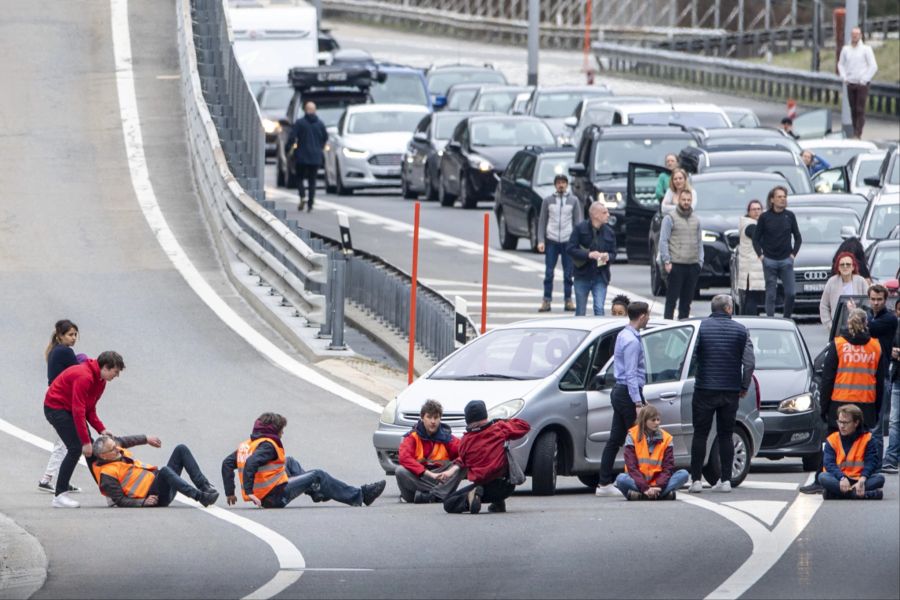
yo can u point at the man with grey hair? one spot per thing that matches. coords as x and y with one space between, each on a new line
128 482
592 247
725 364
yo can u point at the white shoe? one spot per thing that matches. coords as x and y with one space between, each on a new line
605 491
696 487
63 501
723 487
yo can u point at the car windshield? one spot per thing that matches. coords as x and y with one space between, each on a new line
867 168
797 177
498 101
742 118
461 99
776 349
838 156
445 123
562 104
730 196
549 168
613 156
735 141
511 133
400 88
819 226
885 261
275 98
512 354
439 82
380 122
884 218
708 120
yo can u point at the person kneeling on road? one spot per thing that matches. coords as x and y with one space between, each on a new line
269 479
851 460
426 454
482 452
649 461
128 482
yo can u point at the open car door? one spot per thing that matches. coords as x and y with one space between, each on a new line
641 205
813 124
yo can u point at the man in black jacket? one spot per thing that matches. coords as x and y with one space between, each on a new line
725 364
310 134
892 453
592 247
775 247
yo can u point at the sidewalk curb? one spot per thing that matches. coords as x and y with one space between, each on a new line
23 563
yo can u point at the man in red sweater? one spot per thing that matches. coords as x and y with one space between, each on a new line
483 455
70 404
427 452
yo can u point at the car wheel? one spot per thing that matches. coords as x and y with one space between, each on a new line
543 464
533 233
657 286
740 466
466 196
445 197
404 189
508 241
279 174
813 462
339 186
592 480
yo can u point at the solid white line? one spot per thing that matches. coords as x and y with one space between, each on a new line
769 485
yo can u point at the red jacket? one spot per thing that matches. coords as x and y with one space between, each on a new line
408 453
77 390
481 450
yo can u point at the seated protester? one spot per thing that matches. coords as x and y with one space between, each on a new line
649 461
619 306
269 479
851 460
482 453
128 482
426 453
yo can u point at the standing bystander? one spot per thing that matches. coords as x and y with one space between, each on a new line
776 242
882 326
310 135
892 453
681 252
592 247
560 213
751 282
857 67
662 182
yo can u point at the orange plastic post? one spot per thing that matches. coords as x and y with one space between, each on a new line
484 272
410 375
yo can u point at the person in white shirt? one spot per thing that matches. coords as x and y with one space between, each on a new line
857 67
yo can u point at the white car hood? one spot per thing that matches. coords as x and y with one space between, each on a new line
391 142
454 395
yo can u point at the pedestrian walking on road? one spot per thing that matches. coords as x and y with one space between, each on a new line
128 482
649 461
482 452
627 396
678 183
882 325
70 405
751 281
619 306
310 135
662 182
892 454
592 247
59 356
560 213
681 252
725 364
857 67
270 479
847 282
426 453
776 242
851 460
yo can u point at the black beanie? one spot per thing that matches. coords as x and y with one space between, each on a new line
475 411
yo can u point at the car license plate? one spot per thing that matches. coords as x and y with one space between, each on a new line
813 287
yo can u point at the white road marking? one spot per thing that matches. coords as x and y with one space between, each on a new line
769 485
766 511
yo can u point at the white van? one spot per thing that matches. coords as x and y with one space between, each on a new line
268 42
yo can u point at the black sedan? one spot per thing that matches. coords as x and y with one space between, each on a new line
522 189
478 152
420 167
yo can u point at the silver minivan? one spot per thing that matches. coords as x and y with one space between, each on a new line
556 373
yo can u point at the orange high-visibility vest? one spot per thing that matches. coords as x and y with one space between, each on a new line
857 366
852 463
650 465
267 476
134 476
439 451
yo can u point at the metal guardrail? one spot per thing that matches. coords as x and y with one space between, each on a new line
739 78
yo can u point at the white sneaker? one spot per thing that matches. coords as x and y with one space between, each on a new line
606 491
723 487
696 487
63 501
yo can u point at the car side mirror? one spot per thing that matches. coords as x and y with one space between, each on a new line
848 231
522 182
454 145
439 102
420 136
570 122
577 170
872 181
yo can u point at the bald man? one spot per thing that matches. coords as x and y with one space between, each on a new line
310 134
592 247
857 67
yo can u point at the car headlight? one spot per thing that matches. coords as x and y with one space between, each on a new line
440 153
507 410
710 236
389 414
410 159
270 126
563 140
351 153
797 404
327 147
481 164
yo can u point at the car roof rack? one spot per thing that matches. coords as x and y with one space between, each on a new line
337 79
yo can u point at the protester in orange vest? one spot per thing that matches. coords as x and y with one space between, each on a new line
426 453
269 479
128 482
650 461
851 460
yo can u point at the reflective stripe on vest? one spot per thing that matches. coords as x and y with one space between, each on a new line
268 476
438 454
134 476
857 367
852 463
649 464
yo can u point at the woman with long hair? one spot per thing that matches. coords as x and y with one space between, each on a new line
847 282
751 281
649 461
677 184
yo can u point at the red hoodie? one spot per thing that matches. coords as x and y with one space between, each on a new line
77 390
481 450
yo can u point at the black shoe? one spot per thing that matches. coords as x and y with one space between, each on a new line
207 497
497 507
302 203
371 491
874 495
309 206
474 499
826 495
813 488
207 487
423 498
669 496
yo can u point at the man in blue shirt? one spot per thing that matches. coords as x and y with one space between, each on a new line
627 396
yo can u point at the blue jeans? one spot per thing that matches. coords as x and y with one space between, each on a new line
773 270
827 481
318 484
893 450
625 483
553 251
597 288
878 432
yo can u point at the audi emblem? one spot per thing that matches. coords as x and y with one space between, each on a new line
815 275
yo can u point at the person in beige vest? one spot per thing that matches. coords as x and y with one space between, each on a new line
681 252
750 280
848 282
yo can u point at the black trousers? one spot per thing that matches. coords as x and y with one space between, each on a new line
306 177
706 405
681 287
168 481
497 490
64 424
624 416
857 96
